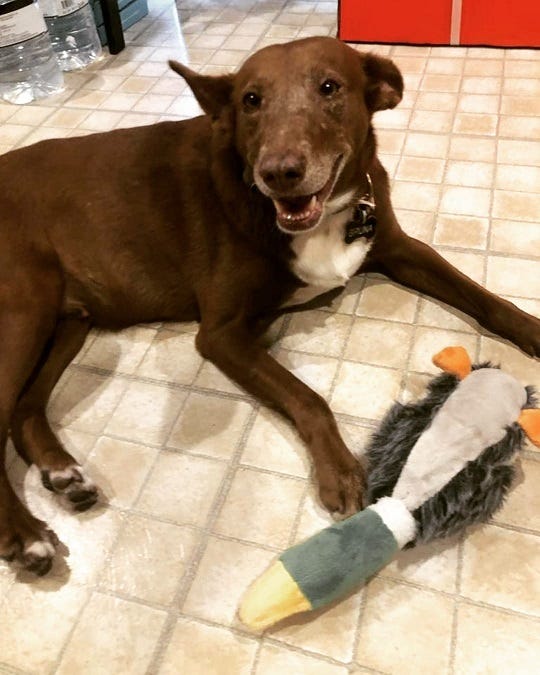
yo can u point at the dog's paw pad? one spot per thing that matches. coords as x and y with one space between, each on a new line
72 483
37 557
27 542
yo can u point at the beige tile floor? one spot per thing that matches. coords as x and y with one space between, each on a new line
204 485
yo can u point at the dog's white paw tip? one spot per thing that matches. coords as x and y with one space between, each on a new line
39 549
37 557
73 484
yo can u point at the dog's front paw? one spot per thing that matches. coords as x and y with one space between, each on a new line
28 543
532 346
520 328
526 335
341 489
71 482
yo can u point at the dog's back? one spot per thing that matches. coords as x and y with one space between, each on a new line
111 208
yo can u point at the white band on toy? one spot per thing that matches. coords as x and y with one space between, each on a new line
397 518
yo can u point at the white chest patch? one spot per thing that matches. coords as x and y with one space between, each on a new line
323 260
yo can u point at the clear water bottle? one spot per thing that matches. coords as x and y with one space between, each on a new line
73 32
28 67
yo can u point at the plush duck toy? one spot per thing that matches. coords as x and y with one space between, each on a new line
435 467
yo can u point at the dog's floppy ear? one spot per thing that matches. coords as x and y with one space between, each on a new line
385 83
213 92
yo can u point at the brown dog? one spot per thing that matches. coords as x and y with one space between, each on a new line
224 219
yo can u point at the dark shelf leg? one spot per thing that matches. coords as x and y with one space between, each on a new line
113 26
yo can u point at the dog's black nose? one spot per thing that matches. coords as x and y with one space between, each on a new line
282 171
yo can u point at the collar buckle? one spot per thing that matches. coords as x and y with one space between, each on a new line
363 221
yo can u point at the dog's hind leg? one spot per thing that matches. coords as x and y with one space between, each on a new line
30 429
27 319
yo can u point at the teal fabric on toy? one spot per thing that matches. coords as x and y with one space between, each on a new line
336 548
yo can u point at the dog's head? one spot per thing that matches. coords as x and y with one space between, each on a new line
302 115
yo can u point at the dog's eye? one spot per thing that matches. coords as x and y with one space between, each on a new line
251 100
329 87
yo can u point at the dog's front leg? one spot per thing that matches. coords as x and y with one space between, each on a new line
234 350
416 265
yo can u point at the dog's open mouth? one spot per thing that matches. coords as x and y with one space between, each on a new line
298 214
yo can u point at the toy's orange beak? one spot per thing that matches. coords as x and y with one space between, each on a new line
529 421
454 360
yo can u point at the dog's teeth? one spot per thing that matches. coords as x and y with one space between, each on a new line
297 217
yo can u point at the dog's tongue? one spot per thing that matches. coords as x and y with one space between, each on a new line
298 213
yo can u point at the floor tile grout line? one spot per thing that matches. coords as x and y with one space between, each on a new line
359 623
472 333
55 108
340 358
407 371
258 637
487 253
509 527
324 658
5 669
294 530
75 623
164 384
109 377
200 530
392 181
356 665
446 159
406 366
483 253
457 594
464 600
193 565
493 190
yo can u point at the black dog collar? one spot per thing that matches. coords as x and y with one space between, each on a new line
363 221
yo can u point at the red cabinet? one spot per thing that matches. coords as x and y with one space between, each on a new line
505 23
511 23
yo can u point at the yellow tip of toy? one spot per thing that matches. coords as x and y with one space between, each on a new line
273 596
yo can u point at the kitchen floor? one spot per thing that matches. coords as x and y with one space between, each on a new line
202 486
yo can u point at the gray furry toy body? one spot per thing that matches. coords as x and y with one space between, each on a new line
473 495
